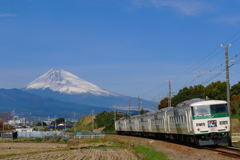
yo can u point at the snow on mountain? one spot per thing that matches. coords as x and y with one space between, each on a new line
65 82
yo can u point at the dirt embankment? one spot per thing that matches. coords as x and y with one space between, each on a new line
84 124
173 150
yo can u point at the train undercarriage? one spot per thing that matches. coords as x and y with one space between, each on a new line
198 140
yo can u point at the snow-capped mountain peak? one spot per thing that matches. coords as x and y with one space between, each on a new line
65 82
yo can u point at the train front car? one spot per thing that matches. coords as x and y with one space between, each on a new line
211 122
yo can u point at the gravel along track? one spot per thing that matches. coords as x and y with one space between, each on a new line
229 152
173 150
83 154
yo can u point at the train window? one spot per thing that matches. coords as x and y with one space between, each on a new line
219 108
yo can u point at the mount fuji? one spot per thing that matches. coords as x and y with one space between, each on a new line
64 82
62 85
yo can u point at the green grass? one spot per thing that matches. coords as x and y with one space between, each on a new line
149 154
112 132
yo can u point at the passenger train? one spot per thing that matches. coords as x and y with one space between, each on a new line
199 121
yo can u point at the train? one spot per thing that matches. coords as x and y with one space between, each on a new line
198 121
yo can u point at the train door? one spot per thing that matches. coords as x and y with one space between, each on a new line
165 122
116 127
125 125
136 125
149 125
189 120
168 123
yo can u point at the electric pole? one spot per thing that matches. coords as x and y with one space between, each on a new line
228 93
169 94
92 120
114 113
74 125
55 123
129 108
138 105
42 122
65 125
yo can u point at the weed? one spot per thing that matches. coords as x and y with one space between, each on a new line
149 153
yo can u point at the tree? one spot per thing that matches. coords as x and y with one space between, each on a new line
235 89
4 117
163 103
235 104
40 124
58 121
187 94
142 111
216 91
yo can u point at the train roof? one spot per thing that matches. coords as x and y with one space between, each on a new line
149 113
208 102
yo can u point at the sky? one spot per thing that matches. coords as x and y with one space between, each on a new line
130 47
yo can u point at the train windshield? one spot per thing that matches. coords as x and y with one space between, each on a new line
219 109
212 109
201 110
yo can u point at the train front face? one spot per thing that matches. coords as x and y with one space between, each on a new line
211 122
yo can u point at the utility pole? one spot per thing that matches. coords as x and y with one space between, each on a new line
129 108
138 105
55 123
65 124
228 93
92 120
114 113
42 122
114 117
169 94
74 125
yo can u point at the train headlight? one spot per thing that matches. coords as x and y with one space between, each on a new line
223 122
200 124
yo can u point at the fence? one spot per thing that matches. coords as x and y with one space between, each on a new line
89 134
39 134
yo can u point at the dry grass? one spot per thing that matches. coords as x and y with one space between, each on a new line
235 125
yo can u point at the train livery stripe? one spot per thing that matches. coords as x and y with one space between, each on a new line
210 116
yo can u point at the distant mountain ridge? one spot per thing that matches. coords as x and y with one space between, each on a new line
62 85
25 103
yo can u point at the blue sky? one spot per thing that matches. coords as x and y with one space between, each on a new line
125 46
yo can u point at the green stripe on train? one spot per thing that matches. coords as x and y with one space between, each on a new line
210 116
208 133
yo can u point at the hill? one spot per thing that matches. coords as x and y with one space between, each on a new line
103 121
62 85
27 104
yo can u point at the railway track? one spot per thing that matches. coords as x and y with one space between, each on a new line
230 152
226 151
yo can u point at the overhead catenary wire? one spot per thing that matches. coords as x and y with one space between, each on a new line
186 71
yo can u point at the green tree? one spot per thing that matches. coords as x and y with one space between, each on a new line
188 93
235 89
40 124
142 111
216 91
58 121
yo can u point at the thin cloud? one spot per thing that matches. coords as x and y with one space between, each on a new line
8 15
229 20
185 7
